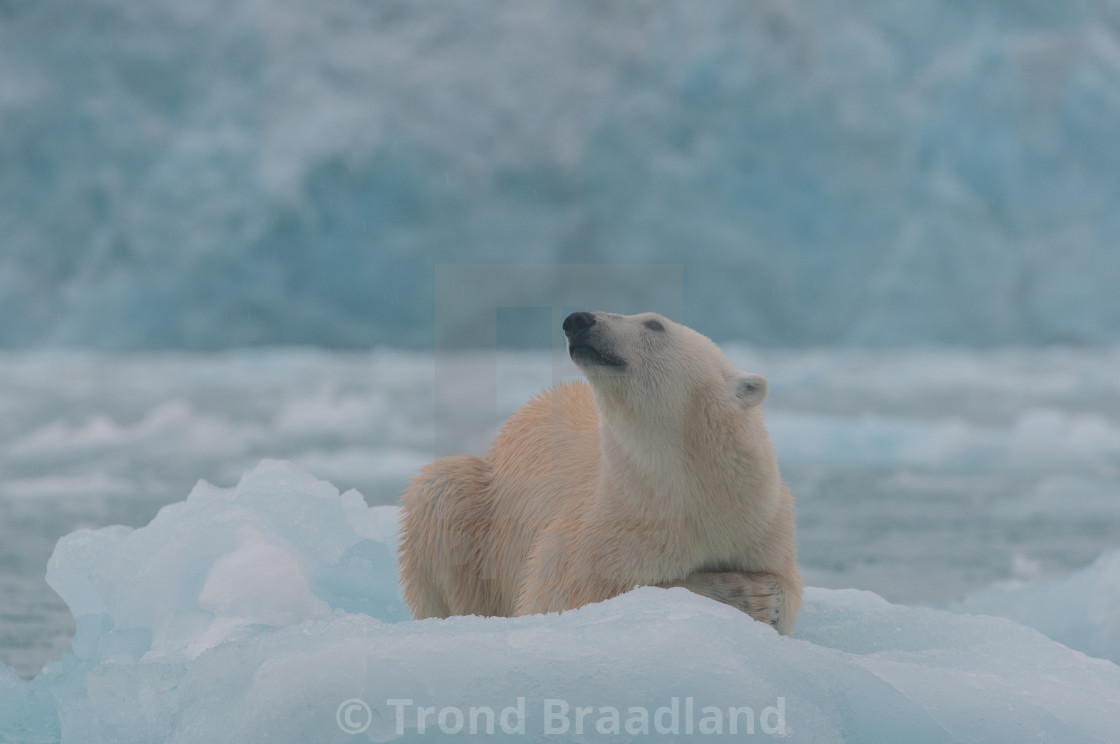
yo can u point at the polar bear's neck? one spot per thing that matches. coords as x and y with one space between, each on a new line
697 460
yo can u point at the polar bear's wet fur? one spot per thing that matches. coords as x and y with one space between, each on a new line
658 472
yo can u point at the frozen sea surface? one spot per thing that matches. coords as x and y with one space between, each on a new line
920 475
270 612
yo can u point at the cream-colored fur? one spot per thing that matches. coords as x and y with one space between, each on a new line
660 473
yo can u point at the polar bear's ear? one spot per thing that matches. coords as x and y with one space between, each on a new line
750 390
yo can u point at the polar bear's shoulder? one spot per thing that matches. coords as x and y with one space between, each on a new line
560 418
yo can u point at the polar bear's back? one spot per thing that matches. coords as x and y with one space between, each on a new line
470 523
546 458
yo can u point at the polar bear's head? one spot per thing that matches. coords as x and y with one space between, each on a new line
647 364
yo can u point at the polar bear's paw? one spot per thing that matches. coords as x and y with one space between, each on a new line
759 595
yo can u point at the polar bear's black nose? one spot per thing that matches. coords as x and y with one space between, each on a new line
578 322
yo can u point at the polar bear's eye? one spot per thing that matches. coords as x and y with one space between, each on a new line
654 325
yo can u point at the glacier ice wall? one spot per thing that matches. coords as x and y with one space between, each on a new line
213 174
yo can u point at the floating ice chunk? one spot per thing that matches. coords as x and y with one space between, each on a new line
1081 611
1025 568
258 583
27 709
170 426
261 582
277 550
1037 438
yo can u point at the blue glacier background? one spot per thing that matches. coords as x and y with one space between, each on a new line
207 175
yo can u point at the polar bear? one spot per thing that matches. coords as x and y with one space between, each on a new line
660 472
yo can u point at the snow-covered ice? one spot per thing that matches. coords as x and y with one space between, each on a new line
263 612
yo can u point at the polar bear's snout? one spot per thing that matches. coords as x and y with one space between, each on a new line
587 345
577 322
